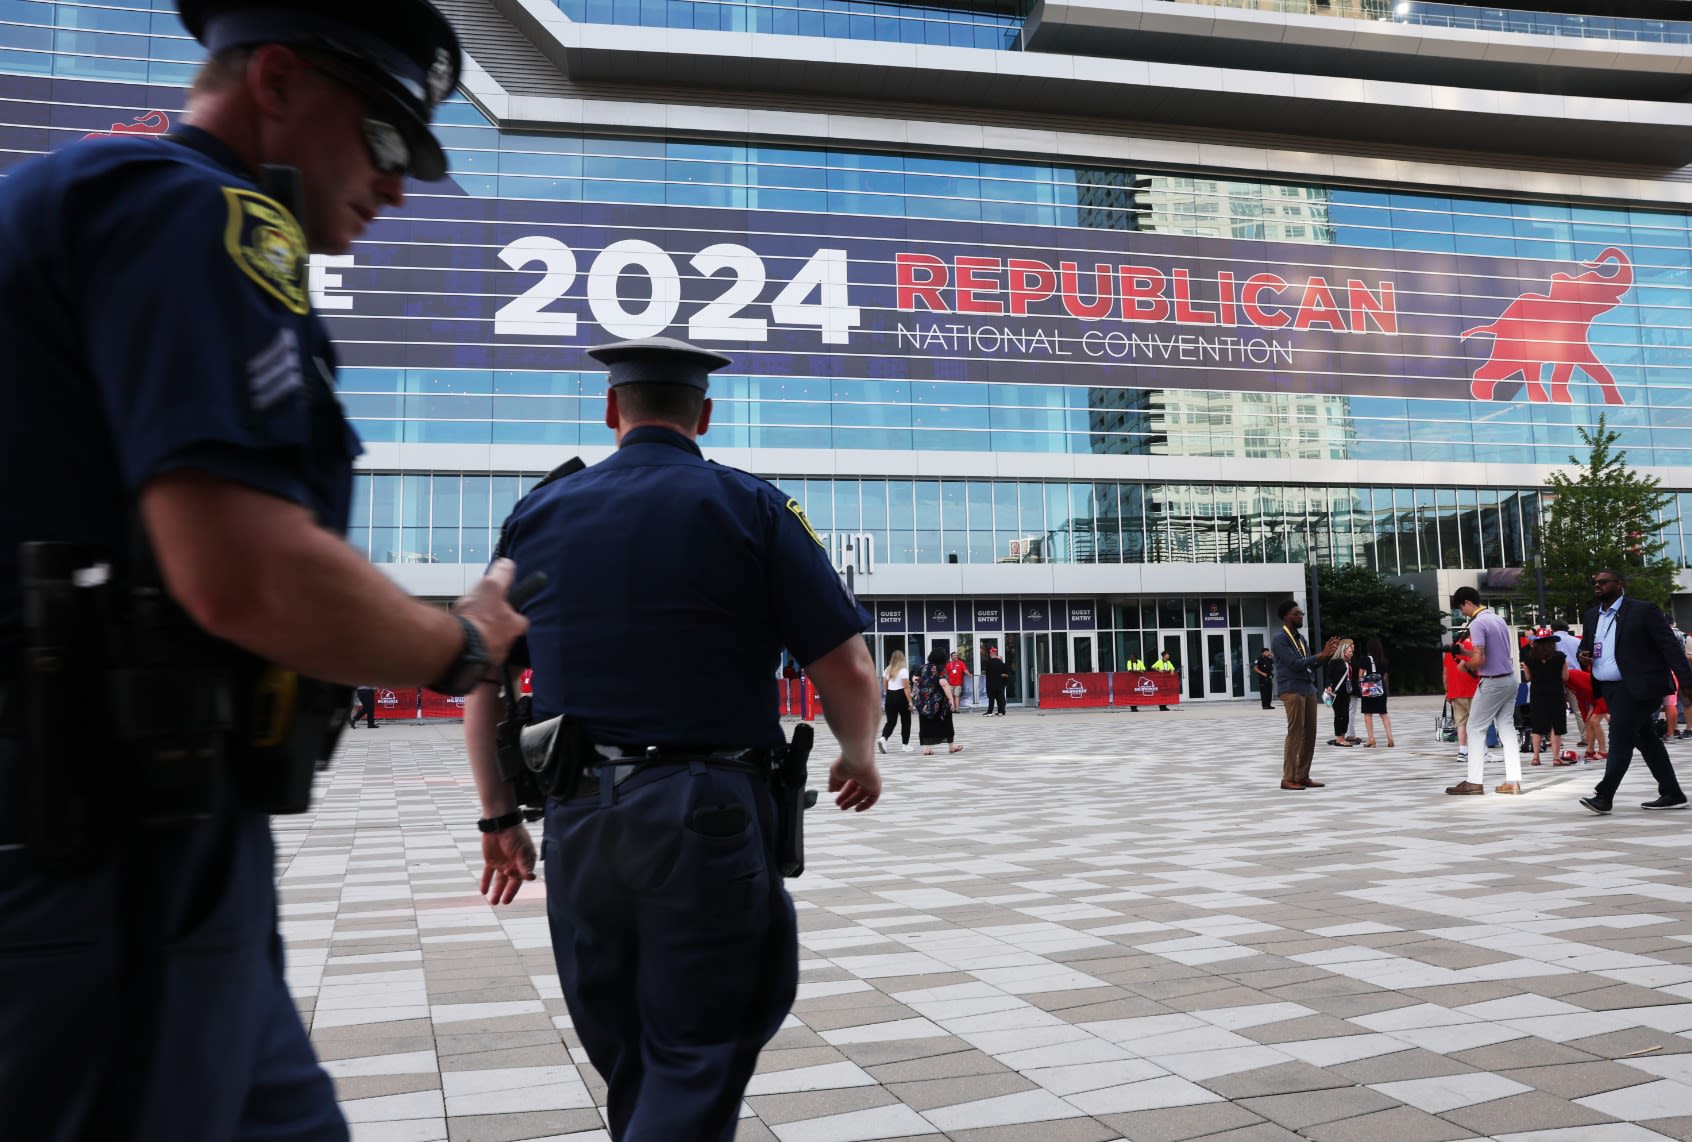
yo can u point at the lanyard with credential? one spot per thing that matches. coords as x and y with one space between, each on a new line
1604 635
1298 643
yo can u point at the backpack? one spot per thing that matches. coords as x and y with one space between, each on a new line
930 697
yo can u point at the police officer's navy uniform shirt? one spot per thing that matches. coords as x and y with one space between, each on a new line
155 318
673 584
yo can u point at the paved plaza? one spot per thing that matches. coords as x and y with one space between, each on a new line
1084 927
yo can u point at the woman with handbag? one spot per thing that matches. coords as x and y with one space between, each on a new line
935 702
1372 686
1339 691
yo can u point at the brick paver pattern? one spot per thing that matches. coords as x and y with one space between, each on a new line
1084 927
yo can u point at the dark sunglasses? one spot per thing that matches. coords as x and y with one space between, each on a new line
389 152
1602 582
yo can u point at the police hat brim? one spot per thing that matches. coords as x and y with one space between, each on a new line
402 57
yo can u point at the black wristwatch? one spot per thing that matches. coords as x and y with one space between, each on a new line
500 824
466 671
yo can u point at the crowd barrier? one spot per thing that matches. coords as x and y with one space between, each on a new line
1118 688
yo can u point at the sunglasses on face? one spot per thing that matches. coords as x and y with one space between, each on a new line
388 150
1604 582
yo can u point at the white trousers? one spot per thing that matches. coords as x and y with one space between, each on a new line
1494 702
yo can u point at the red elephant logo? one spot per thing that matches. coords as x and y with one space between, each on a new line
151 123
1539 329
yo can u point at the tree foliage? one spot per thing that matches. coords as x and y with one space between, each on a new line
1359 604
1603 514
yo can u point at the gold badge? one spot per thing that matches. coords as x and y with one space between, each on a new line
268 245
793 506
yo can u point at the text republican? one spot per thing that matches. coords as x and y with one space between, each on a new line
1021 287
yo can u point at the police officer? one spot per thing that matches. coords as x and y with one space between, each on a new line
674 937
168 387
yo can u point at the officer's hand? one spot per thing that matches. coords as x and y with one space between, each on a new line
485 606
508 859
858 786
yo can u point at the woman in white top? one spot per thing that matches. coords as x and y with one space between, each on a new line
897 680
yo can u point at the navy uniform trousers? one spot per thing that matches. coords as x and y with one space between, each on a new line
167 1022
1633 724
675 939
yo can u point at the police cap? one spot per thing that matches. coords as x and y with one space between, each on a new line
402 56
658 361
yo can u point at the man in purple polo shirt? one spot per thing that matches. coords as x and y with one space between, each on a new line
1495 698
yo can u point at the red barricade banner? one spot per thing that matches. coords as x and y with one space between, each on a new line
1145 688
442 706
1072 691
813 707
400 703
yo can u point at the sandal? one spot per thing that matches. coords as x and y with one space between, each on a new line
926 752
1391 743
1353 741
1536 761
1339 741
1370 744
954 749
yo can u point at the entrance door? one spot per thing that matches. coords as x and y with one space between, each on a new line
1082 659
1173 644
1216 673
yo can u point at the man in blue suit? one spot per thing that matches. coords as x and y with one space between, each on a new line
1634 660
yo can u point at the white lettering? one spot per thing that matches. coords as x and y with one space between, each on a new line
320 281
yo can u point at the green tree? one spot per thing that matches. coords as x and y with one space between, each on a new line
1604 514
1359 604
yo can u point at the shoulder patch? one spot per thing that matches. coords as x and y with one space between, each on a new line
267 244
799 513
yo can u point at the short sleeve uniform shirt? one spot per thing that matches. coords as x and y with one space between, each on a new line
673 586
155 318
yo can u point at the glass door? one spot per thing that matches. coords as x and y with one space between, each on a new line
1216 683
1173 644
1082 660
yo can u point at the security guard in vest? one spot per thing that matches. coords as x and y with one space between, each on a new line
178 556
673 585
1163 666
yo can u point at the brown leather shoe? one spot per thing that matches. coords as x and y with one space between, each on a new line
1292 785
1465 789
1508 787
1309 784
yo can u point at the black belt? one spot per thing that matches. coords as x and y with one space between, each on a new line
755 762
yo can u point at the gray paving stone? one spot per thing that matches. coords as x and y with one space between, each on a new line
1181 1123
1400 1066
1577 1080
1262 1132
1400 1124
777 1109
1279 1079
1061 1130
1528 1052
1313 1107
955 1064
1535 1110
521 1125
926 1094
375 1086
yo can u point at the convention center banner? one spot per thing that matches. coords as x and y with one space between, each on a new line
453 281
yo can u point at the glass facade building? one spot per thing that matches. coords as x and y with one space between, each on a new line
1051 360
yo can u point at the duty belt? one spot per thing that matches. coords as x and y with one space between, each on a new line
623 766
